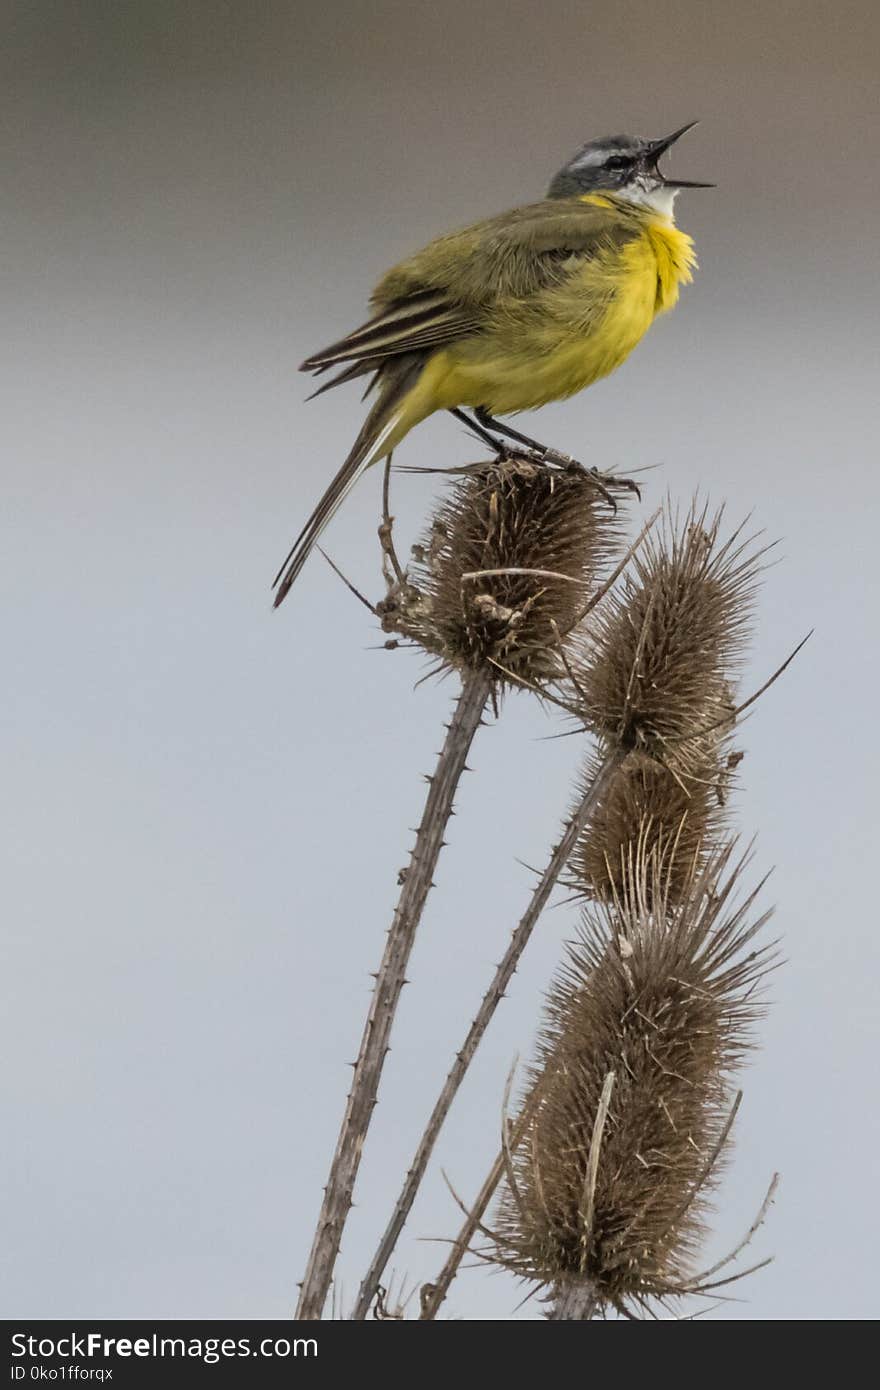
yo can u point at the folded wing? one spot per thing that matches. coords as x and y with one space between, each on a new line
448 290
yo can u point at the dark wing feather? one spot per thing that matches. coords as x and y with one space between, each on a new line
356 369
405 326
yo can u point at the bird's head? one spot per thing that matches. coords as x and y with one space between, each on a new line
625 165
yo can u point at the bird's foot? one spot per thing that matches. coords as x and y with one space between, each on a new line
509 444
604 482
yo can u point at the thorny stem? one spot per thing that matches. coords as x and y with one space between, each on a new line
576 1302
391 977
491 999
433 1294
386 536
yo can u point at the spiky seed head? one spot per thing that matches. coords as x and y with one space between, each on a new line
508 565
663 998
651 809
658 664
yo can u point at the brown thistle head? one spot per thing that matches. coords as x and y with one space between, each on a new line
654 810
658 664
662 999
506 569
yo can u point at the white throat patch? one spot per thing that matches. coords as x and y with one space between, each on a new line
660 198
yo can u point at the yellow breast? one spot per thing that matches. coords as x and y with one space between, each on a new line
556 343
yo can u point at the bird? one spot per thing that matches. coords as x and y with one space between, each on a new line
512 312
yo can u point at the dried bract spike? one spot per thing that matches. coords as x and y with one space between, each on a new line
660 660
506 570
608 1186
651 809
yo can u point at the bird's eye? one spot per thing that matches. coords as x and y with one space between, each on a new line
617 161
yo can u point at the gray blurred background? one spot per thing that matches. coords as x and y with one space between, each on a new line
205 803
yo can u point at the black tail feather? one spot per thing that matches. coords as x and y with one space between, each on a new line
302 547
396 380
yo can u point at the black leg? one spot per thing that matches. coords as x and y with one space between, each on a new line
499 427
477 429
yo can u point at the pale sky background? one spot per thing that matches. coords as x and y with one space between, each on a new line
205 804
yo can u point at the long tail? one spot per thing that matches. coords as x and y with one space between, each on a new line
367 448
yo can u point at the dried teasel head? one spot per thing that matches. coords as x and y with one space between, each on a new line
506 570
625 1124
657 666
654 810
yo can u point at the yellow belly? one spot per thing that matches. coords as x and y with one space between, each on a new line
560 341
552 348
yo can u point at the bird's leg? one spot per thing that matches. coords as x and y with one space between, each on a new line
603 481
508 432
500 438
505 439
491 439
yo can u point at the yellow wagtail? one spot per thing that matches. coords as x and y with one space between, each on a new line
514 311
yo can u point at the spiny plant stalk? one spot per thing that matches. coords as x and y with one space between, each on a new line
390 980
433 1294
577 1303
660 999
541 539
492 998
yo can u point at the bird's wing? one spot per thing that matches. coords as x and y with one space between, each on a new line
516 253
445 291
416 321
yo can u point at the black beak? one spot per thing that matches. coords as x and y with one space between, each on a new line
655 148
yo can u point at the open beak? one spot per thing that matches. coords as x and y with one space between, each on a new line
656 148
